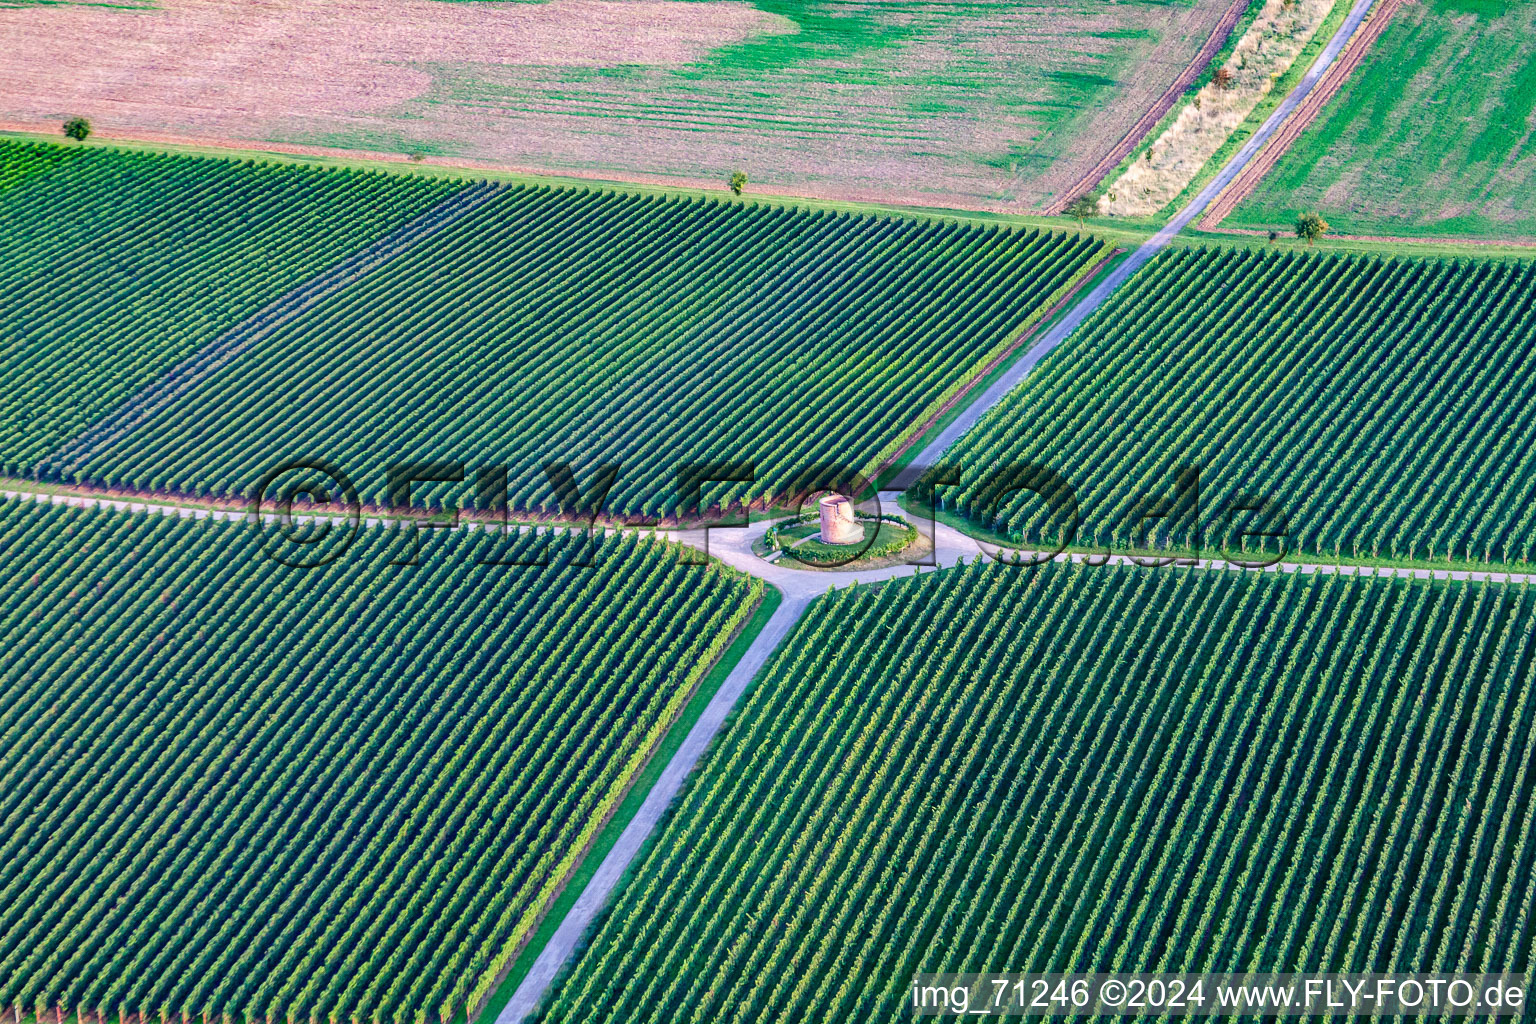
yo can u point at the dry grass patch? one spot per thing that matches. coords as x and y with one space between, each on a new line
1266 51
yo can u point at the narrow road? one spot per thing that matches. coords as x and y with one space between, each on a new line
733 547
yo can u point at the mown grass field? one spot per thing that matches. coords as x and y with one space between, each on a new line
1435 134
1383 405
1076 769
233 788
116 265
596 327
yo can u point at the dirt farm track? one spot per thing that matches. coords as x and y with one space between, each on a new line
1246 182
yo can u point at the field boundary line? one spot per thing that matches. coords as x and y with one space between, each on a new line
1155 113
1354 55
160 393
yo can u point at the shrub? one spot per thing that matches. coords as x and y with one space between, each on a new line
1311 227
1083 207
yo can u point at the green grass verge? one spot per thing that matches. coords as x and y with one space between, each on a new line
638 790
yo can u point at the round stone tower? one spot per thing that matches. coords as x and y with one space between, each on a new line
837 523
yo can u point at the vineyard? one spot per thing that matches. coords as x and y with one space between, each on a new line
1386 406
117 264
1073 769
592 327
235 791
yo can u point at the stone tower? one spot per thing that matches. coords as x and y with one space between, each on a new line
837 523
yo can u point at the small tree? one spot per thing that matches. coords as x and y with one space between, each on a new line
1223 78
77 128
1311 227
1273 235
1083 207
738 181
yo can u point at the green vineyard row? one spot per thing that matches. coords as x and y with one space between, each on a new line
233 790
1075 769
117 264
591 327
1386 406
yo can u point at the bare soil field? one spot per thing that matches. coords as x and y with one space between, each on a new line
974 104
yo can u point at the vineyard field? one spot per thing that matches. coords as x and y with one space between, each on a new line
1385 406
117 264
1075 769
239 791
594 327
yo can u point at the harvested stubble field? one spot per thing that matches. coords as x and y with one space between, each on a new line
239 791
1435 134
596 327
975 103
1076 769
